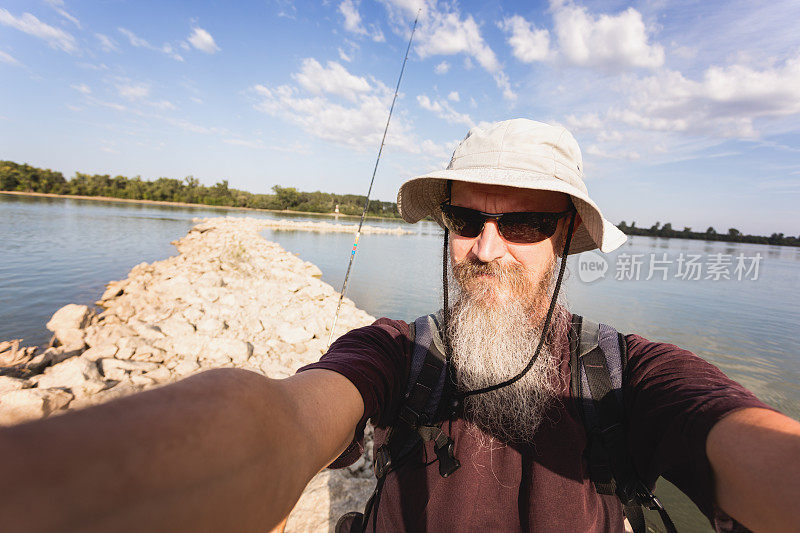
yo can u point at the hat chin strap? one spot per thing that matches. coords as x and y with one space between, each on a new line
460 395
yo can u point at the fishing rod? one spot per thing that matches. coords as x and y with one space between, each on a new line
369 192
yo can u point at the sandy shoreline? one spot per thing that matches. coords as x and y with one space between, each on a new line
184 204
230 298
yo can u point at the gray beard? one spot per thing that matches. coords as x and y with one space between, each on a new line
493 341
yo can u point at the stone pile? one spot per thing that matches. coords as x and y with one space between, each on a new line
228 299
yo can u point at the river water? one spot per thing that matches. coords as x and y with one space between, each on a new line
740 314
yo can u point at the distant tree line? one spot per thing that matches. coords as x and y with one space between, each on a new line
710 234
25 178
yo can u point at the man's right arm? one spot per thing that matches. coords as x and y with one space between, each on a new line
223 450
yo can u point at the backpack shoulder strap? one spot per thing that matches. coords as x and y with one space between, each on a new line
598 357
417 418
416 421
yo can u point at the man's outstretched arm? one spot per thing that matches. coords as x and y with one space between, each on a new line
755 456
225 450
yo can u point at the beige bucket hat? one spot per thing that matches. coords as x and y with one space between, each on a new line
516 153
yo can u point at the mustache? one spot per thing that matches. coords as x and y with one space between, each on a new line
471 268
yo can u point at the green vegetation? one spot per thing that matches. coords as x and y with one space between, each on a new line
732 235
25 178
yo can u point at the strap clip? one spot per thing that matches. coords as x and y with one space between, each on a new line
447 458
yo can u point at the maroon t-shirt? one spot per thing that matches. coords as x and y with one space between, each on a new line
672 399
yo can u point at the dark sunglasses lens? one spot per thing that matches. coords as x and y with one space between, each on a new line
527 227
462 221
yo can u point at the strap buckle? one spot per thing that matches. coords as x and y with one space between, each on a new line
447 458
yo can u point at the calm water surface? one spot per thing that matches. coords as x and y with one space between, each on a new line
59 251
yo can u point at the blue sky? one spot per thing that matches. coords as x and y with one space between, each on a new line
686 111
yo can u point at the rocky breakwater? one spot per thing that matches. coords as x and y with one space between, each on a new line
228 299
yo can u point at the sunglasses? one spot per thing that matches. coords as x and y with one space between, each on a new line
517 227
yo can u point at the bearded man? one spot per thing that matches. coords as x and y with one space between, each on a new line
512 201
230 450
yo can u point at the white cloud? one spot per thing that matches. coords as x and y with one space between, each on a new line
139 42
597 151
170 51
352 18
135 40
333 79
587 122
107 43
443 30
343 56
501 79
453 96
527 43
353 24
31 25
609 42
357 124
59 6
136 91
725 102
443 110
163 105
203 41
6 58
82 88
442 68
247 144
449 34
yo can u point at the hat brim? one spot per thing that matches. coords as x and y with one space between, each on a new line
421 196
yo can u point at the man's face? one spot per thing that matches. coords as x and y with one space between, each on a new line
536 259
496 321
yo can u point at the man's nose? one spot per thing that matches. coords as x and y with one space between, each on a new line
489 245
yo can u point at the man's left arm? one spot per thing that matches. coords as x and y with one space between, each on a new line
755 457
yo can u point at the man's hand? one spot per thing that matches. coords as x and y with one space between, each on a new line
225 450
755 456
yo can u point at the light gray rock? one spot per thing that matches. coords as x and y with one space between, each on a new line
29 404
77 374
71 316
221 351
176 327
186 367
8 384
211 279
190 345
293 334
100 351
127 346
211 326
159 375
118 370
71 339
115 288
103 334
148 331
142 381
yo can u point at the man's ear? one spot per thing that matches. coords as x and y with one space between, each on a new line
578 221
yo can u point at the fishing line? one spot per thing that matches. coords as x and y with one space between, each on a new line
369 192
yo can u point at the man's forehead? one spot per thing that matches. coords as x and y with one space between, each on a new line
498 198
